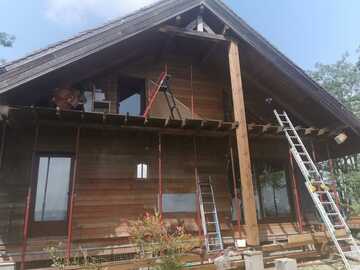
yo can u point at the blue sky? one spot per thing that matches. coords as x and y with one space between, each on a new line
307 31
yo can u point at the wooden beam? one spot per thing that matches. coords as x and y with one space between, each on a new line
296 193
248 196
192 34
236 195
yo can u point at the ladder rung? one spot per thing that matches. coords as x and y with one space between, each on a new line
332 214
339 226
326 202
212 233
207 213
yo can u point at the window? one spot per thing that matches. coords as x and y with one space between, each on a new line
274 194
131 95
179 202
142 171
53 179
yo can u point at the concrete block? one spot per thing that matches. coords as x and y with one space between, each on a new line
7 266
253 260
285 264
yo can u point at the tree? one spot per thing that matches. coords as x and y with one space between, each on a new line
6 40
342 80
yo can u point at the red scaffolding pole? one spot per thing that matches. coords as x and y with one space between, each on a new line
297 200
28 200
72 196
198 217
237 200
192 92
160 176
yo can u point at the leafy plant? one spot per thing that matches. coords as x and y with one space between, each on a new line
82 259
152 236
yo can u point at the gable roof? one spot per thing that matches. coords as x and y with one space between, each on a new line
56 56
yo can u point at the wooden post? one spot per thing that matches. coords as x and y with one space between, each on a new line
28 200
248 196
72 196
237 201
295 189
160 176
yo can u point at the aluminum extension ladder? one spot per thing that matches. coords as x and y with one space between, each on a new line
209 216
319 192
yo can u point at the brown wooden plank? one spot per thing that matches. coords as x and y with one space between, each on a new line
248 196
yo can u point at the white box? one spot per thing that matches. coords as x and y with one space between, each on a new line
285 264
7 266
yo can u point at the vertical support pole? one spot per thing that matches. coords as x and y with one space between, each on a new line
297 201
72 196
198 217
2 146
248 196
160 175
313 151
332 171
237 201
192 92
28 200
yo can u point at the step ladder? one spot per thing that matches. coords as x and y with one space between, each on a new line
163 85
319 192
209 216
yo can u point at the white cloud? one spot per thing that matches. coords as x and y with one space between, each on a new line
71 12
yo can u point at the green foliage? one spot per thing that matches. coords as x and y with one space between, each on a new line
6 40
342 80
169 263
152 236
82 259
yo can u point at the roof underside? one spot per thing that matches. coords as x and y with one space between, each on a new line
266 72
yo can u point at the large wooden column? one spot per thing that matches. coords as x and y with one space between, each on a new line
248 196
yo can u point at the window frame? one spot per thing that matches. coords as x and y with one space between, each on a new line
52 228
263 219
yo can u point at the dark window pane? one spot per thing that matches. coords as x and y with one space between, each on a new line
52 189
180 202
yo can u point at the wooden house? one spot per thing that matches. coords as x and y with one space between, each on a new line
86 145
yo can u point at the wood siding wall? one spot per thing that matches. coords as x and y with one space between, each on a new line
108 193
208 88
